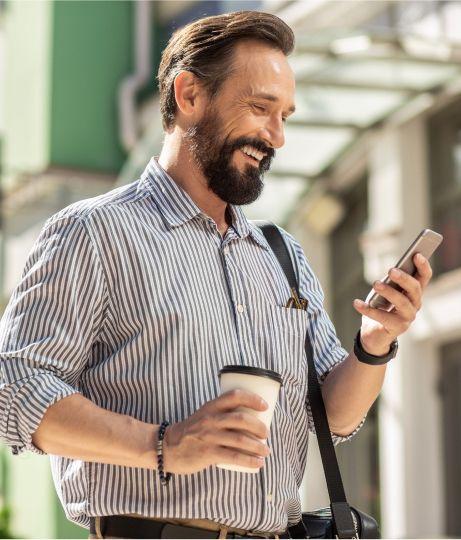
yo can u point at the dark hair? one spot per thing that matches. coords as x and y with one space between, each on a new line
204 47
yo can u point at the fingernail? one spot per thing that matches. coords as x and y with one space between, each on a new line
421 258
395 272
264 403
358 303
378 285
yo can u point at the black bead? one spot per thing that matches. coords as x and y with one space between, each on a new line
161 433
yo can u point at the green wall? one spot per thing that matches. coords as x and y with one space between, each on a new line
64 62
92 53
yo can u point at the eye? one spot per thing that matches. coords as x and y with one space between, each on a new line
259 108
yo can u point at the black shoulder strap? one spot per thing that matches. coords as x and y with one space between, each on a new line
339 506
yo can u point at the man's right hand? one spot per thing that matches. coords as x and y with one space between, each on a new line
217 433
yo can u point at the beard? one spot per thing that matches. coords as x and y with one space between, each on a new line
213 155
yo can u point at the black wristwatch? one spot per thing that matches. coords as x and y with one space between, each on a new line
371 359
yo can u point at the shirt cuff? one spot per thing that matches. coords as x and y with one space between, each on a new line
343 438
26 401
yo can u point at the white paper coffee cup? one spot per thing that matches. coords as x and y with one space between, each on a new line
264 382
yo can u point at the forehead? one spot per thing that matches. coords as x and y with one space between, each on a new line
262 68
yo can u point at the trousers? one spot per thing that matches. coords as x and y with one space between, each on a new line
142 527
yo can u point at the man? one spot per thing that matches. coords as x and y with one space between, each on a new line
132 301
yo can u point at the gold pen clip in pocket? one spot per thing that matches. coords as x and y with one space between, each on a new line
295 302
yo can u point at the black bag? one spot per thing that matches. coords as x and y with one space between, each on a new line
339 520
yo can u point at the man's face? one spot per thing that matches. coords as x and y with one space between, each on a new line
235 140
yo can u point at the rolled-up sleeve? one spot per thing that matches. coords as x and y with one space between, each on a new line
328 352
48 328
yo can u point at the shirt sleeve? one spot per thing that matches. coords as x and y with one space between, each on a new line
48 328
327 349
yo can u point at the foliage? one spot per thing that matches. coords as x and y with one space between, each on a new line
5 514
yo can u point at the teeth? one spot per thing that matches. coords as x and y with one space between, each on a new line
253 152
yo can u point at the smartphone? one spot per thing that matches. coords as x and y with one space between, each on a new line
425 243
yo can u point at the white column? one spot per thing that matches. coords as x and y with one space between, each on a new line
380 251
410 455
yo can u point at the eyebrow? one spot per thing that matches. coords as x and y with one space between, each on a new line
270 97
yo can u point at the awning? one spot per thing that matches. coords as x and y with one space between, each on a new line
348 82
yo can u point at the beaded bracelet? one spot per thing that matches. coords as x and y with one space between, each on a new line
164 478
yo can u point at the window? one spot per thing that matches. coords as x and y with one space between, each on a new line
444 130
451 406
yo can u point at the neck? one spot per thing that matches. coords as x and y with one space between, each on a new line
177 161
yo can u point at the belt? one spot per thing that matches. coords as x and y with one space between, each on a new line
134 526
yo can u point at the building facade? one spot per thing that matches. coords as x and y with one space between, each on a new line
372 156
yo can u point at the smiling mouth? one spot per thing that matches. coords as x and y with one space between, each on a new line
251 159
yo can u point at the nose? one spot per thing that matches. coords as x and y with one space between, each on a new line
273 133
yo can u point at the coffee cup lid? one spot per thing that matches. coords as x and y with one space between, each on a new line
250 370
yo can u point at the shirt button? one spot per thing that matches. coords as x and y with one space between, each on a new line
240 308
269 497
226 250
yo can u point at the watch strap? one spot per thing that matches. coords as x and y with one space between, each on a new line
371 359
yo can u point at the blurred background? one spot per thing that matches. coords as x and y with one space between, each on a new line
372 156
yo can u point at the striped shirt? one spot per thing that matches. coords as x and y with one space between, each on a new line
134 300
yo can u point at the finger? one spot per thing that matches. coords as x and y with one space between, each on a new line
239 440
234 457
238 398
424 268
401 302
409 284
393 323
243 421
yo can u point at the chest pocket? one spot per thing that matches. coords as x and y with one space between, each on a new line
279 335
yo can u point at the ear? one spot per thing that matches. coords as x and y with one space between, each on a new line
189 95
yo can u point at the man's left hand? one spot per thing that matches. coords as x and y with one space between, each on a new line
380 327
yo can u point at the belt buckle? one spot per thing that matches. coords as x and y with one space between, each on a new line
97 526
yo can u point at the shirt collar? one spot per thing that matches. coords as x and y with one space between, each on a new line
244 227
177 207
174 203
